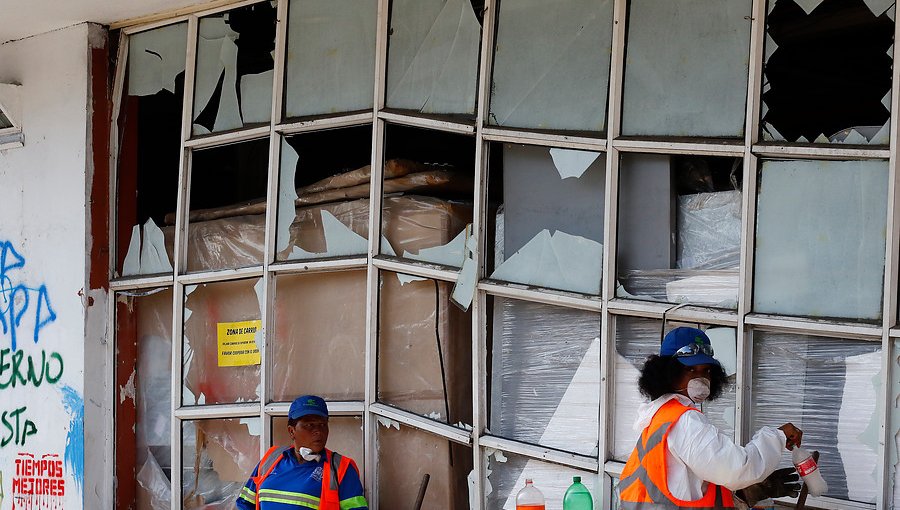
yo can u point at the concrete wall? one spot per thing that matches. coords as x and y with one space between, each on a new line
43 268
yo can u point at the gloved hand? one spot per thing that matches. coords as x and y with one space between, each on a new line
781 483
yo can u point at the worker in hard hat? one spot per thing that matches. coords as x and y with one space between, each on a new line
304 474
681 460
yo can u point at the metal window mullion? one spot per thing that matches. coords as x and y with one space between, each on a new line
319 266
176 382
817 152
545 296
372 284
415 268
335 408
804 326
714 148
150 25
112 218
426 122
520 136
418 422
123 284
221 275
227 137
542 453
319 124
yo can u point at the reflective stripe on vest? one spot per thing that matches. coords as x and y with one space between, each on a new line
644 485
328 500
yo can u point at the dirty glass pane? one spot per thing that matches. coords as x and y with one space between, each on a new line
323 194
144 386
686 68
820 235
233 85
679 229
428 191
406 455
222 334
424 349
507 473
345 436
320 331
330 56
545 375
827 72
547 214
217 457
149 150
227 206
551 65
830 388
433 56
638 338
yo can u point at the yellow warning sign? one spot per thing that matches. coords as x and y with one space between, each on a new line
237 344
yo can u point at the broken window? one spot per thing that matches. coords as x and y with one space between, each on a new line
319 331
222 333
330 56
143 398
4 121
827 74
679 231
551 66
686 68
217 458
149 150
507 472
830 388
411 460
424 349
428 190
638 338
820 238
546 215
544 372
233 85
227 220
345 436
323 194
432 64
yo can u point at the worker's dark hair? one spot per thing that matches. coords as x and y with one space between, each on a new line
293 422
661 373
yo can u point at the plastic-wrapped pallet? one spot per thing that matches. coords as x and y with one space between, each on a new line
545 374
829 388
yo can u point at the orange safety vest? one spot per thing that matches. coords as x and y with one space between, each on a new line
334 462
644 483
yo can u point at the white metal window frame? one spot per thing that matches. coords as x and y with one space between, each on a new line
607 305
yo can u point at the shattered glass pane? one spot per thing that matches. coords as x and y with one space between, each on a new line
507 472
345 436
428 189
551 66
144 398
545 371
548 216
4 121
330 56
149 149
222 332
226 225
820 238
827 74
407 455
233 85
830 388
217 457
638 338
433 56
680 229
686 68
424 349
319 330
323 194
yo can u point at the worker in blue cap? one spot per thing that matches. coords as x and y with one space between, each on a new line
305 474
681 460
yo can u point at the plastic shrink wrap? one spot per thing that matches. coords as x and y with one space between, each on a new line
218 457
829 388
545 371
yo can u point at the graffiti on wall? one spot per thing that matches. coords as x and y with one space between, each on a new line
39 482
18 299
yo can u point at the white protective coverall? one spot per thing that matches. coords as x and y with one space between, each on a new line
699 453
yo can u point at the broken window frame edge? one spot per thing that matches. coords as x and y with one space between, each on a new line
543 295
623 307
540 453
218 411
411 267
423 423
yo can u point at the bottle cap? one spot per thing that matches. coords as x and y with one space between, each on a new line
576 479
528 481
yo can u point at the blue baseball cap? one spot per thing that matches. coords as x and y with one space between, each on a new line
689 346
308 405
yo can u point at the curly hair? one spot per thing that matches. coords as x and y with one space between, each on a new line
661 373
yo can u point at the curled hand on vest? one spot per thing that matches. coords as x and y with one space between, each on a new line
782 483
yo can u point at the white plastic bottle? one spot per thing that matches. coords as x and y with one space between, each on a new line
809 471
529 498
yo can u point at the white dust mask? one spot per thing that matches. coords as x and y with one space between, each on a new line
309 456
698 389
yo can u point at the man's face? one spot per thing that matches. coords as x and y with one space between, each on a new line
311 432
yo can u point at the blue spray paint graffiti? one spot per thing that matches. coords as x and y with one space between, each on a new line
75 438
15 298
